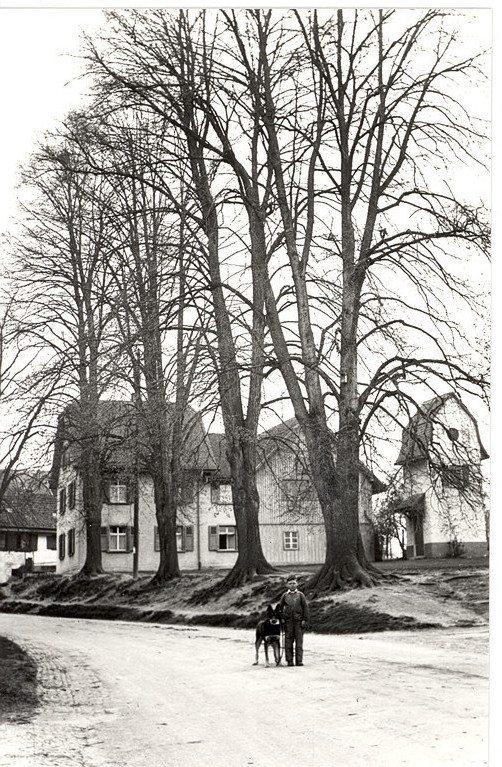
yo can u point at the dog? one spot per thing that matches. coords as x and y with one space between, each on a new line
268 632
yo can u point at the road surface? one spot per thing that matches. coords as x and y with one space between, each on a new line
148 695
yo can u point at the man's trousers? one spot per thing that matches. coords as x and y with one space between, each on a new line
293 636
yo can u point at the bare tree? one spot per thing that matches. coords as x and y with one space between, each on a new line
156 64
149 302
28 388
345 121
62 254
379 124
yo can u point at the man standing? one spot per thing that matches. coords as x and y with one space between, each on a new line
295 614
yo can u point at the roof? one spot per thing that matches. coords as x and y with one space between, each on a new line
123 436
415 502
217 445
28 504
417 435
285 434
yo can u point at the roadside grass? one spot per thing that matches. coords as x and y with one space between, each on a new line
18 673
421 594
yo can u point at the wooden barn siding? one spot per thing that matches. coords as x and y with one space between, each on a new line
311 544
273 505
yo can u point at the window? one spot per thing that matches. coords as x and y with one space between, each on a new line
457 476
222 538
117 538
290 540
71 494
51 541
184 538
71 542
62 501
221 493
118 492
61 545
15 541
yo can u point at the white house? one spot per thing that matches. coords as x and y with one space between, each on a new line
441 454
27 527
291 525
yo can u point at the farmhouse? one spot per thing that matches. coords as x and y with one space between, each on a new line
441 454
290 521
27 527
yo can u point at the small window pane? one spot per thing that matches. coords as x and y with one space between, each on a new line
118 539
118 492
291 540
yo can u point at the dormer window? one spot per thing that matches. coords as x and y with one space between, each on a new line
117 492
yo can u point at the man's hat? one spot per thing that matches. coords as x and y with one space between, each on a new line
291 578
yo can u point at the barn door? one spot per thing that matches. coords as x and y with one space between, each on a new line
419 535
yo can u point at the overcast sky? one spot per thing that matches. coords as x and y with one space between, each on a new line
39 68
38 82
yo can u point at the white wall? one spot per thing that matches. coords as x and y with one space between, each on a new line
448 514
13 559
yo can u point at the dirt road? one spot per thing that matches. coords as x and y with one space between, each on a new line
132 695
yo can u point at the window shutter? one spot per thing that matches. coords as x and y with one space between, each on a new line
189 538
156 539
129 493
236 540
104 539
213 538
62 546
129 539
70 494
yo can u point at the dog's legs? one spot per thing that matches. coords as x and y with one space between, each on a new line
257 648
265 645
277 653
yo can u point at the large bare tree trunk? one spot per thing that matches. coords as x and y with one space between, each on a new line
240 433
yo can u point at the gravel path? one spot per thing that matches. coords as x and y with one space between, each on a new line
136 695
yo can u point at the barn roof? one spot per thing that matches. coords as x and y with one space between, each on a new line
285 435
417 435
28 505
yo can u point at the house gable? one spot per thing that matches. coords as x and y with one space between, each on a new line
434 421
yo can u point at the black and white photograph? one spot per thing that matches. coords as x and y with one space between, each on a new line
246 363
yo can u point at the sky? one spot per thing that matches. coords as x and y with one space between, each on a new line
39 77
38 82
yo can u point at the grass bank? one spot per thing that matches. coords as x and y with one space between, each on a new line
18 674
